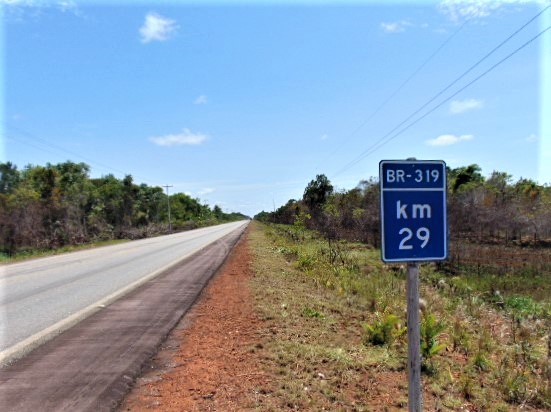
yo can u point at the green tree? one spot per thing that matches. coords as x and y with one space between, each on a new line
9 177
184 208
72 176
218 213
107 206
43 181
533 206
317 193
464 176
149 203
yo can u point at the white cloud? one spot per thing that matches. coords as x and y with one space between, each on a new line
28 3
324 137
460 106
206 191
449 139
67 6
186 137
467 9
21 8
63 5
202 99
457 9
157 28
395 27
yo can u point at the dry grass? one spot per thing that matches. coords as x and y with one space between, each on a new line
315 314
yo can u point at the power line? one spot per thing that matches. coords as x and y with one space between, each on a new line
55 147
380 141
42 141
398 89
13 139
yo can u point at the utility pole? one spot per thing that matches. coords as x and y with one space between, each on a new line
168 201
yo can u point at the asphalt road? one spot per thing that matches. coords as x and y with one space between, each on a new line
41 298
92 365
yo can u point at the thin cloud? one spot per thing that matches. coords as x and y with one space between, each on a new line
68 6
157 28
63 5
458 10
460 106
27 3
206 191
186 137
532 138
395 27
449 139
202 99
20 7
324 137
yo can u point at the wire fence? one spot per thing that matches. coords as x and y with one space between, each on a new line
498 259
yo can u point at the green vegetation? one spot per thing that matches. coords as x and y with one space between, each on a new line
335 331
486 331
384 331
431 330
489 211
45 208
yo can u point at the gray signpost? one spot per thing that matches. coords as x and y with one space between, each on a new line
413 229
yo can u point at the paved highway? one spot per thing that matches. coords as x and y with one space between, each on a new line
91 365
42 297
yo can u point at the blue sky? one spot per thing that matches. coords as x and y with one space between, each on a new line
241 104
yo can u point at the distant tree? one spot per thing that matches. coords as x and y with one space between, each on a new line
263 216
49 206
147 209
129 194
43 180
9 177
464 176
287 213
366 215
72 176
316 194
184 208
532 206
499 183
217 211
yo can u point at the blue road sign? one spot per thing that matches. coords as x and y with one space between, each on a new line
413 210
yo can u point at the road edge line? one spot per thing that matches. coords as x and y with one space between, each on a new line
21 349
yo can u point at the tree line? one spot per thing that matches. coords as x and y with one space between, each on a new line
46 207
495 209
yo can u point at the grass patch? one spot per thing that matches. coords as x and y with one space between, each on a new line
335 339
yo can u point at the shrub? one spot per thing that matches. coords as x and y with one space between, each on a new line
430 331
384 331
312 313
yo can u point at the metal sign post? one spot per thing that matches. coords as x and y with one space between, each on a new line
413 229
415 395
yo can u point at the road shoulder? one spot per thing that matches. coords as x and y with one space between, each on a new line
208 362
